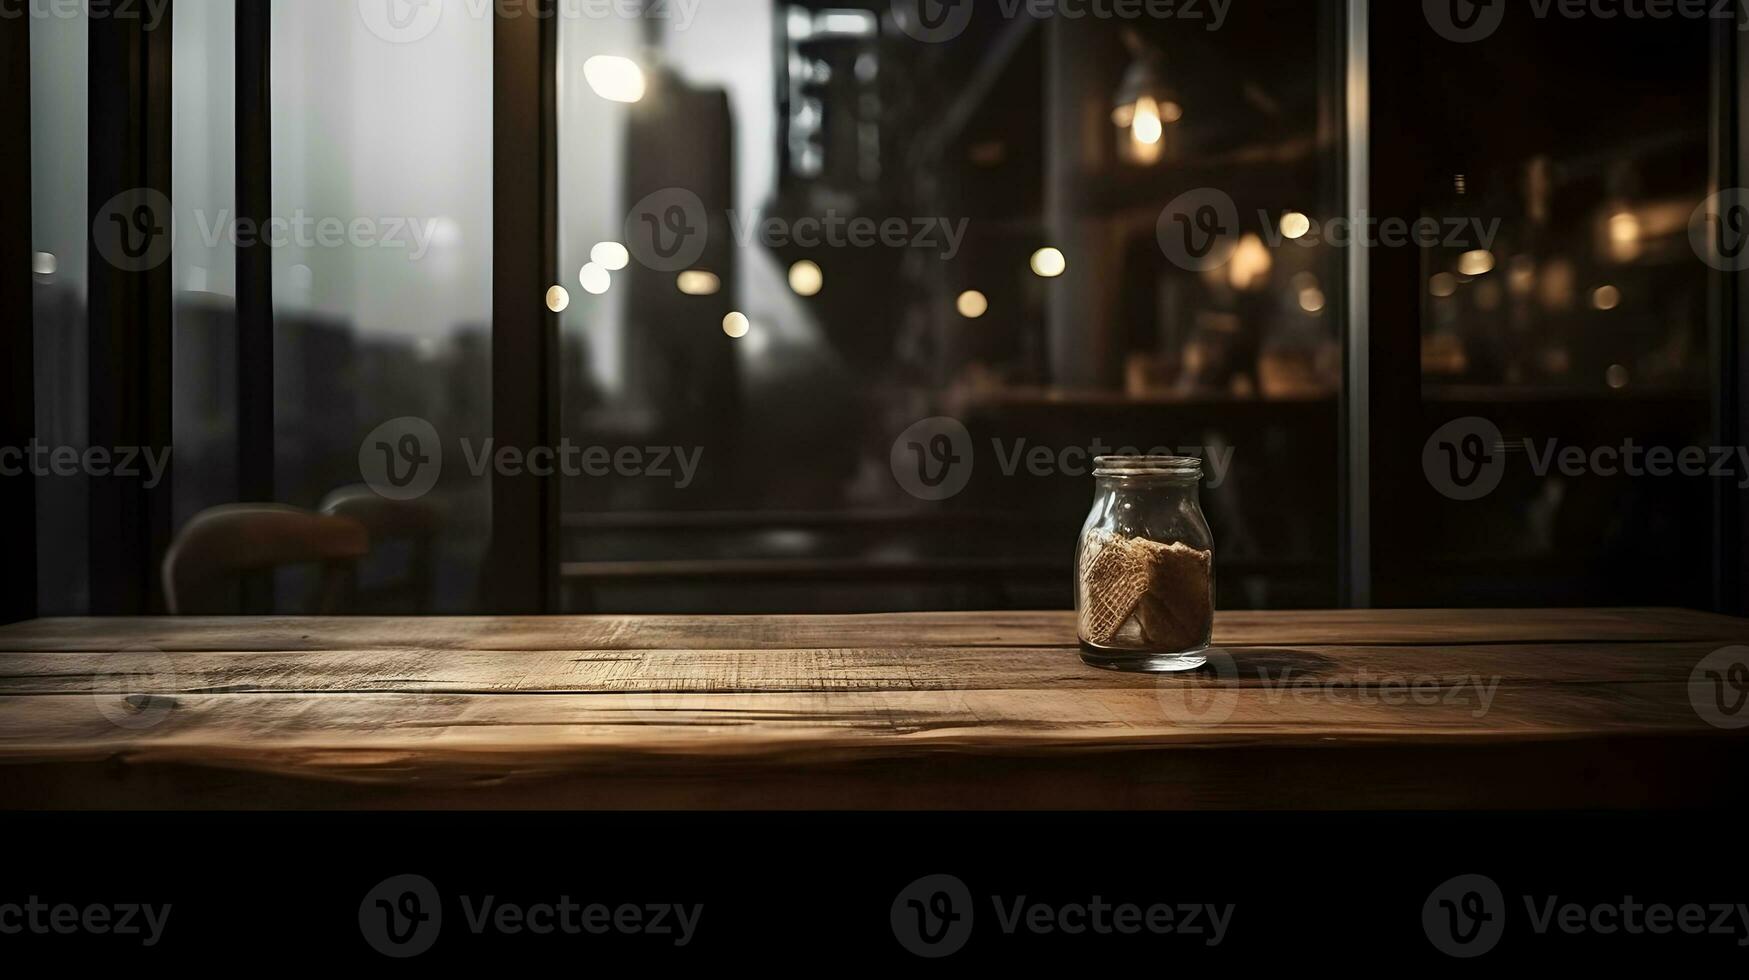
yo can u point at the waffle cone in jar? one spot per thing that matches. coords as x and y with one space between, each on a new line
1115 574
1178 607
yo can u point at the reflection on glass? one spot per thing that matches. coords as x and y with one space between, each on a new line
894 230
60 231
385 313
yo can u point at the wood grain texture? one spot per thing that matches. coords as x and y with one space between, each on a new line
926 630
1331 709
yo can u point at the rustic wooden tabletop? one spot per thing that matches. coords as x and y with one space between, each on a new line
1371 710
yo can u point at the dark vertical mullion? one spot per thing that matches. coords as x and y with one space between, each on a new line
1396 182
255 437
522 569
255 396
1726 316
18 423
130 307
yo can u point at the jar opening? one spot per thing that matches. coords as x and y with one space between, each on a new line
1149 467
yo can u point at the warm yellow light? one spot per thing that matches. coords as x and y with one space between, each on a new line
611 256
1477 263
1146 128
1606 298
697 282
1312 300
806 278
1049 263
1521 275
1443 285
736 325
1624 227
1625 232
595 279
972 304
1295 225
1251 262
615 79
558 299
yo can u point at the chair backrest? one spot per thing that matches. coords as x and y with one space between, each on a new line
220 546
416 522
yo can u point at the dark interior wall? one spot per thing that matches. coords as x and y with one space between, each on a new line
17 494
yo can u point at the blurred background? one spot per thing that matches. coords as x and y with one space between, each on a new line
1058 321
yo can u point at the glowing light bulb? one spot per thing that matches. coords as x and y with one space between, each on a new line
736 325
972 304
558 299
595 279
615 79
1476 263
697 282
1295 225
1251 263
611 256
1147 127
1049 263
806 278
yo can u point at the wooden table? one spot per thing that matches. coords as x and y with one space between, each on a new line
1529 709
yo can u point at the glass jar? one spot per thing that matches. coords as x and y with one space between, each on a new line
1144 571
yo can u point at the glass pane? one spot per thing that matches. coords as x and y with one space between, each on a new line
59 100
793 231
1565 311
382 184
203 173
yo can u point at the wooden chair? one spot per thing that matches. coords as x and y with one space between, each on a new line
415 522
219 547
